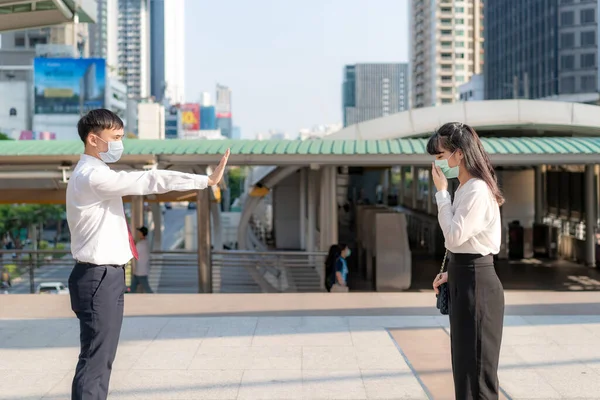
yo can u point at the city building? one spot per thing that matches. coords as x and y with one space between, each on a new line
374 90
474 90
223 110
167 51
151 121
104 34
557 55
65 34
171 122
208 118
446 39
205 99
319 131
134 47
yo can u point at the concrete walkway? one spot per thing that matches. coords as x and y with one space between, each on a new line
176 351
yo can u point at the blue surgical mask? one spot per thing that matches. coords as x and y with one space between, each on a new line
114 152
449 172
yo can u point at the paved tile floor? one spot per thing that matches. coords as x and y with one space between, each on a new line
301 357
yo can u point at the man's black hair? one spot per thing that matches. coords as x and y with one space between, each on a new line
144 231
96 121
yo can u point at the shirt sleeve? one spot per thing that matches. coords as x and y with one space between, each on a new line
339 266
110 184
469 217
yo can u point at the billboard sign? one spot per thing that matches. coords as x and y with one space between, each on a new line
69 85
32 135
190 117
224 115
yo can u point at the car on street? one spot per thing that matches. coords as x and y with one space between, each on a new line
52 288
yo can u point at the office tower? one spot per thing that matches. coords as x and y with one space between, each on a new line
167 43
542 49
223 110
208 118
374 90
51 41
446 39
104 34
134 47
205 99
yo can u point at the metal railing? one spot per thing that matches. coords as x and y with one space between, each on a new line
177 271
285 271
424 233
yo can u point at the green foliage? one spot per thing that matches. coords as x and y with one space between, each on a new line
236 182
15 218
4 136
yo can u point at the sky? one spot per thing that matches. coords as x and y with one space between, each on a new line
284 59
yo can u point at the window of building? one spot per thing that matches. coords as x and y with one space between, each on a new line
446 44
459 9
446 32
459 21
460 44
588 16
459 32
567 85
588 38
567 62
588 60
446 21
446 67
447 90
566 2
567 18
446 78
446 9
589 83
460 67
446 101
460 79
460 55
567 40
20 41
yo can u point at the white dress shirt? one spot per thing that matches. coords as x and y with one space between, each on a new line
95 213
471 224
142 267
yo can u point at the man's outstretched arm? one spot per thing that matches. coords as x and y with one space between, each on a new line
109 184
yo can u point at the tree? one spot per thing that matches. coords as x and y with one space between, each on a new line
16 219
4 136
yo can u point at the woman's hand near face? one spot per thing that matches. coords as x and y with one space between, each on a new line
439 179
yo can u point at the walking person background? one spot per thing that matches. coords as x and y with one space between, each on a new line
142 266
102 244
472 232
332 256
341 270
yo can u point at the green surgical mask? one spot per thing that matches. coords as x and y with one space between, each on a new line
448 172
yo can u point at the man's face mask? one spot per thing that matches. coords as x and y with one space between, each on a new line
114 152
449 172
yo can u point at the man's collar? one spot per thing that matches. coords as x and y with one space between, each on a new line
93 161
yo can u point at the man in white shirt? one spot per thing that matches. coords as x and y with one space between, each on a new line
142 267
102 244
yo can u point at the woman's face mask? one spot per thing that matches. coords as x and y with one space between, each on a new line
449 172
114 152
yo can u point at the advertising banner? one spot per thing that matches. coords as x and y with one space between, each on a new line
69 85
190 117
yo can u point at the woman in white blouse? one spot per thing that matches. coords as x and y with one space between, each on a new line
472 230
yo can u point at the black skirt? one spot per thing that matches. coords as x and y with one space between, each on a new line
476 308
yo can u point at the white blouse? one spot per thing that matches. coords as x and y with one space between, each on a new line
472 223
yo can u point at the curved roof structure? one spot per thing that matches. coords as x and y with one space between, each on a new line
550 117
25 14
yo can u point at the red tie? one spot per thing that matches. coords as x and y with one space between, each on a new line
132 244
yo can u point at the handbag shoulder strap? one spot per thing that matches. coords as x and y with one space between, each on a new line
444 262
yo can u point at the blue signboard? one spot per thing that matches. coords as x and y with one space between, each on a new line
69 85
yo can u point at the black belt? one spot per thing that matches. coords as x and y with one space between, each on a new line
100 265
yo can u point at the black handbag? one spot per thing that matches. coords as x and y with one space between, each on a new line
442 297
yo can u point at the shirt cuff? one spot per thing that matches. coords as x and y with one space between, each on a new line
201 181
442 197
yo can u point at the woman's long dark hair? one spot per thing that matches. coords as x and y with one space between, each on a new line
334 253
458 136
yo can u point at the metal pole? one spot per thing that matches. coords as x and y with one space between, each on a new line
515 87
75 25
33 257
539 195
311 224
324 220
590 216
204 241
303 173
526 85
401 187
414 186
333 205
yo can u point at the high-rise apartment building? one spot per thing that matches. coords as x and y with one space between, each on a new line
104 34
223 110
542 49
374 90
167 49
134 47
446 48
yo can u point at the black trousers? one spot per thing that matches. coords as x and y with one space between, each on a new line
476 307
97 300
